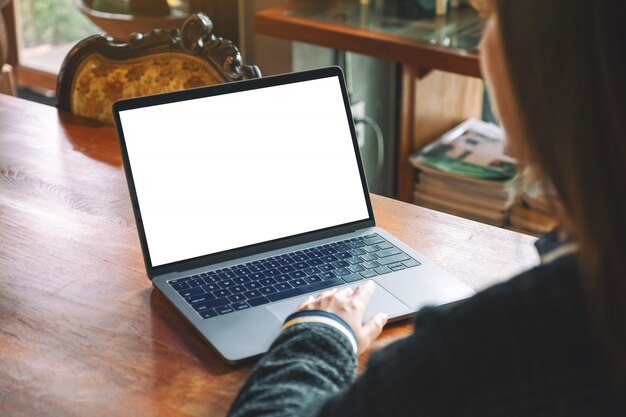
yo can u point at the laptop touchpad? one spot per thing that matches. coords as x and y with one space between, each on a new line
382 301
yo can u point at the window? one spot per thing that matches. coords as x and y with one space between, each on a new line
47 30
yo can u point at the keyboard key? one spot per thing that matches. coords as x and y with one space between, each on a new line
355 245
268 290
371 248
242 280
240 305
385 245
200 298
370 265
227 283
236 298
285 261
236 289
297 274
382 270
315 262
211 304
180 286
328 251
283 278
267 281
271 272
342 248
298 282
373 240
369 257
300 265
311 271
340 264
300 258
312 279
227 275
258 301
196 282
411 263
283 286
211 279
207 314
314 254
356 268
256 268
357 252
344 255
285 269
271 265
224 310
327 275
368 273
393 259
341 271
221 293
240 272
252 285
355 260
211 287
329 258
326 267
190 292
305 289
176 281
352 277
252 294
388 252
397 267
255 276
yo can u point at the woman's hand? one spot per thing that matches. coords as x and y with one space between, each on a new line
350 306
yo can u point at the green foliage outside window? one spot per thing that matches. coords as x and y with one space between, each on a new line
52 22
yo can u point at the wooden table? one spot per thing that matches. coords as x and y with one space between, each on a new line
83 332
431 101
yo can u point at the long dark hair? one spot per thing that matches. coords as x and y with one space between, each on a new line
567 64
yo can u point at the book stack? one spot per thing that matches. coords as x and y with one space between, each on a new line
532 214
466 172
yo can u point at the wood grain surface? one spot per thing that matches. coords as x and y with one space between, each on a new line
83 332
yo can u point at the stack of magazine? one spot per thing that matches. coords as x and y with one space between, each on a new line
466 172
532 214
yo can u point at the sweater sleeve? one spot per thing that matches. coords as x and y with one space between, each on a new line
310 371
307 363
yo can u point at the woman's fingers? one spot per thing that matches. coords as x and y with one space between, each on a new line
327 293
364 292
371 330
350 306
306 302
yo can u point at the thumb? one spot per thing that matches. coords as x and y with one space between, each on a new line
372 329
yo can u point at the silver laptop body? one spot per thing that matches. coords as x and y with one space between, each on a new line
250 196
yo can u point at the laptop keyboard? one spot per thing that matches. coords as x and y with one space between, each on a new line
300 272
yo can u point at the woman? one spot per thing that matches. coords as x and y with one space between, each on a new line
551 341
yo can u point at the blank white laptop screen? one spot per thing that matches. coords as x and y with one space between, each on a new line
228 171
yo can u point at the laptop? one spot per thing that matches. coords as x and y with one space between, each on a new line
250 196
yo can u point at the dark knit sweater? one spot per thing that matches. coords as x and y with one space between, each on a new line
521 348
